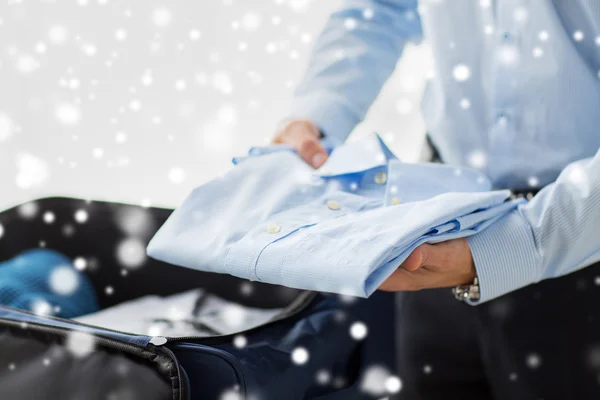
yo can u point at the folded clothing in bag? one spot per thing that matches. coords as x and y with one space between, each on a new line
191 313
343 229
45 282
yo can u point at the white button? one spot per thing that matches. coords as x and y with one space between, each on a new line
273 228
333 204
395 201
380 178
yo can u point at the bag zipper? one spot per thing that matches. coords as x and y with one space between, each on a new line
297 305
108 342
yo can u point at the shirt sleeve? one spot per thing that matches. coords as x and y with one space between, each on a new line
554 234
353 57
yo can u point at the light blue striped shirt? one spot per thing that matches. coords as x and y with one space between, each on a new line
274 219
515 94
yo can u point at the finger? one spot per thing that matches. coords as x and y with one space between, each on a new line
401 280
311 151
417 258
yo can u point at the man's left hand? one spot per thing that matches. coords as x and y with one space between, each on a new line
444 264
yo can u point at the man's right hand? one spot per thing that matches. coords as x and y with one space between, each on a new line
303 136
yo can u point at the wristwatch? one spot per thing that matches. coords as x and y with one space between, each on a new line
467 292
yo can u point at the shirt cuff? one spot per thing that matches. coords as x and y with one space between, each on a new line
505 257
333 118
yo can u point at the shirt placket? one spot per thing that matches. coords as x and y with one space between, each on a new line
506 60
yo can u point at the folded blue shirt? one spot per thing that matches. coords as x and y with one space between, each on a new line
343 228
45 281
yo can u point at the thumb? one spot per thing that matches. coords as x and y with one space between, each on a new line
312 152
416 259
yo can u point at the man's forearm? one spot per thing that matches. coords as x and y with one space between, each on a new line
553 235
353 57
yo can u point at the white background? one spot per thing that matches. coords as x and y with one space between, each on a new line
140 101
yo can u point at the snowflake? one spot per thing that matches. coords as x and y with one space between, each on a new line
461 72
135 105
533 181
89 49
299 5
67 113
508 55
58 34
485 3
373 380
131 253
32 171
26 64
80 263
488 29
465 104
227 114
121 34
251 21
40 48
240 341
513 377
520 15
180 85
231 394
177 175
97 153
578 36
80 344
543 36
28 210
350 24
234 316
271 47
300 356
6 127
477 159
427 369
12 366
221 82
41 307
393 384
194 34
358 331
63 280
404 106
246 288
533 360
162 16
120 137
537 52
109 290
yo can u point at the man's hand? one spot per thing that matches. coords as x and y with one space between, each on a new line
444 264
303 136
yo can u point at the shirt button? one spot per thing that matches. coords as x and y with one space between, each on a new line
380 178
501 119
273 228
395 201
333 205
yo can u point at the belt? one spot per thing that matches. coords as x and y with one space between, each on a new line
515 194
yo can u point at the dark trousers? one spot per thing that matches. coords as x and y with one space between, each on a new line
540 342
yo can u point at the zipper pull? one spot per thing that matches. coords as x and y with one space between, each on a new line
158 340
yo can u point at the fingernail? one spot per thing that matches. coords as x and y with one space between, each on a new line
318 159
